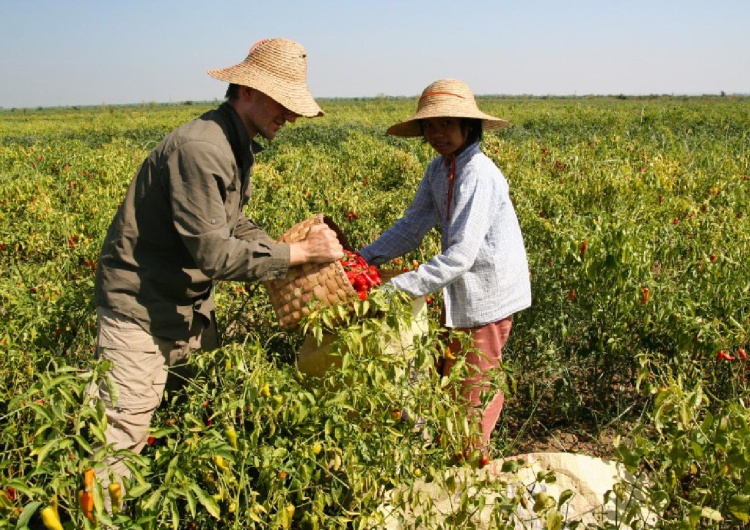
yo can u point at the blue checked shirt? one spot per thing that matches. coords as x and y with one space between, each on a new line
482 269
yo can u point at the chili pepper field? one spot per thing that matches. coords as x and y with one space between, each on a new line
636 217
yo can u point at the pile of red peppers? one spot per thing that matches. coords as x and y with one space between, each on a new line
362 276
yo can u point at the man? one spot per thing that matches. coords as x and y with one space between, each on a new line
181 227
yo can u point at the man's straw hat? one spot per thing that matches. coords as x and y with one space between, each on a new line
446 98
278 68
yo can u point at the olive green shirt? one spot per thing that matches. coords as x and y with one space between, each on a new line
182 226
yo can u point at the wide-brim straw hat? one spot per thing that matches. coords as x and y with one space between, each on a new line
278 68
446 98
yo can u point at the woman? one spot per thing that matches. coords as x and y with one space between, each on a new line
482 269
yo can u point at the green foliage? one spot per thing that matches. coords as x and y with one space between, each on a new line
635 216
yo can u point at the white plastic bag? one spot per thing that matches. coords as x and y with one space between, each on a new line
591 480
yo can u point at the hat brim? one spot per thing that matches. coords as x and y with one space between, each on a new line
294 97
411 127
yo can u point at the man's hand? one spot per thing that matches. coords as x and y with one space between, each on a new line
320 246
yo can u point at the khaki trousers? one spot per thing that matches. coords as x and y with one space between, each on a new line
140 364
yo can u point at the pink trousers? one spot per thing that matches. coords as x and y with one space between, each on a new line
486 355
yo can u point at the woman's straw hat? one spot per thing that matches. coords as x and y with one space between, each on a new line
278 68
446 98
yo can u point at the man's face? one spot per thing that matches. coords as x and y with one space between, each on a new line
262 114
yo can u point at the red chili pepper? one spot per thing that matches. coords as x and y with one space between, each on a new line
724 356
361 274
742 354
86 503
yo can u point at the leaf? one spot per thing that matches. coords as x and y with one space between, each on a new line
83 444
207 501
171 469
162 432
135 464
565 497
554 521
542 502
737 324
136 491
480 504
101 410
192 418
175 512
152 501
302 411
113 388
42 411
510 466
28 511
23 487
738 506
710 513
98 433
59 444
191 503
60 379
68 397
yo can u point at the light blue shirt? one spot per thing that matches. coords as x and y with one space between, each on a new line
483 269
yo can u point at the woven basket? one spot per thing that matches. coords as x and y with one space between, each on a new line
325 282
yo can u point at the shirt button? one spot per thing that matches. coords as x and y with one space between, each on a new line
213 221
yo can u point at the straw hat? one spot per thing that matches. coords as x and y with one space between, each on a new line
446 98
278 68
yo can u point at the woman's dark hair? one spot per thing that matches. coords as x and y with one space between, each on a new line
233 92
474 127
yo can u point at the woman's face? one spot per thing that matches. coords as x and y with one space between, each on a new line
444 134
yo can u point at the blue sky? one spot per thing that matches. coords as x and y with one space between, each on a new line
85 52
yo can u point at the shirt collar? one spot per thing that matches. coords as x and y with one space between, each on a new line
238 137
462 158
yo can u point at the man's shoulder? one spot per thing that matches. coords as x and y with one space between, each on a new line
205 127
208 129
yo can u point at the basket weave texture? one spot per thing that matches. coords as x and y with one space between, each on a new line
325 282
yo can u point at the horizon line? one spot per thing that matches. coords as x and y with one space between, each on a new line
720 94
